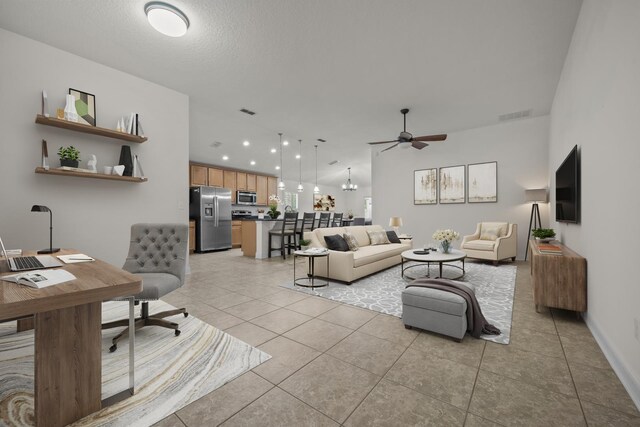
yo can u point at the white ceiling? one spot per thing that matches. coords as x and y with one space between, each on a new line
334 69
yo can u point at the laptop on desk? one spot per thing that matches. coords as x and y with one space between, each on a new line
25 263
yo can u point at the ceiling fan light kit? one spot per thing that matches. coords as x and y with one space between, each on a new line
349 186
406 140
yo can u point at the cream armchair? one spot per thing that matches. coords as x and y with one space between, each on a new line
492 241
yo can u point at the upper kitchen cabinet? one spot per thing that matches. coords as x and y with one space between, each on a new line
272 185
230 183
241 181
216 177
251 182
197 175
262 196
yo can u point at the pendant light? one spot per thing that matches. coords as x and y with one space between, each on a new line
316 190
348 186
300 187
281 183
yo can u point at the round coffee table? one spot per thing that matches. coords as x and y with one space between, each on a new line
310 279
434 257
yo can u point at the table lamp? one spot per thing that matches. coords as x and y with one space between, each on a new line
537 195
395 222
41 208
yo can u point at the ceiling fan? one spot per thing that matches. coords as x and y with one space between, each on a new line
406 138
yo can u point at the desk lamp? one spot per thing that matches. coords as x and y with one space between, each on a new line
41 208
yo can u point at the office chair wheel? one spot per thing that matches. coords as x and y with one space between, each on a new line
177 332
186 314
113 348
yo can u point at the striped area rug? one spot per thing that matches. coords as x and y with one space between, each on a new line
171 371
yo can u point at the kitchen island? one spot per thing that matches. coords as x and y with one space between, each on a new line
255 237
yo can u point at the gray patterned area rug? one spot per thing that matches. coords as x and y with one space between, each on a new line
381 292
171 371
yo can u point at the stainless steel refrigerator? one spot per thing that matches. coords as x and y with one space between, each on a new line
210 207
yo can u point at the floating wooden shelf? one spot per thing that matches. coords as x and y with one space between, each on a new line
93 130
89 175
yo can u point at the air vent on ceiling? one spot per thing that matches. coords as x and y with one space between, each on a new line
322 140
215 144
515 115
249 112
333 162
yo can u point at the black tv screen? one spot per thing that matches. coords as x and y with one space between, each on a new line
568 189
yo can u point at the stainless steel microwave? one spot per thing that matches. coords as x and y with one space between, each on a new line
246 197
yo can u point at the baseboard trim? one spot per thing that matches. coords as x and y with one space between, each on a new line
626 378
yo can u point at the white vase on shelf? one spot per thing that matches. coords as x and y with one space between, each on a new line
70 112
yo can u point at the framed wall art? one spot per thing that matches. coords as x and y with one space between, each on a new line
85 106
324 202
483 182
425 187
452 185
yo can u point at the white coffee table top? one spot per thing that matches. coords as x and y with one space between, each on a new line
453 255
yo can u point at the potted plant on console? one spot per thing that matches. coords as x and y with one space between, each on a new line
543 235
274 200
69 156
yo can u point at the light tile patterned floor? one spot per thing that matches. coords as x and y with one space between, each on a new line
334 364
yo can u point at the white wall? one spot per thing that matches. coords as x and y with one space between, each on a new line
519 147
354 200
597 107
90 215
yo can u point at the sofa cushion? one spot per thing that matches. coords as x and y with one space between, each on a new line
360 233
493 230
480 245
336 243
327 231
393 237
378 238
368 254
351 241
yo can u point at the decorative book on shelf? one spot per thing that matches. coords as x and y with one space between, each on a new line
548 249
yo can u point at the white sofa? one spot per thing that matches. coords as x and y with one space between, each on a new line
352 265
493 241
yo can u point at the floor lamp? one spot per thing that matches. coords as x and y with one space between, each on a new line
538 195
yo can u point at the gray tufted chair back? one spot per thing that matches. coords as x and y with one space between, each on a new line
158 248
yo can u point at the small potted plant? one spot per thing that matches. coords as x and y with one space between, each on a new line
350 214
544 235
304 244
69 156
260 213
273 212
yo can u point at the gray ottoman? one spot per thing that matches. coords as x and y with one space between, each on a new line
435 310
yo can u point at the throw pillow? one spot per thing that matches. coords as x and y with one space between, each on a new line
393 237
378 238
490 232
336 243
351 241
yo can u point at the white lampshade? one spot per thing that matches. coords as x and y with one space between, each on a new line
300 188
316 190
537 195
395 221
281 185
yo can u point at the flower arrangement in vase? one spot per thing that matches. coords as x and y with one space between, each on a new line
274 201
445 237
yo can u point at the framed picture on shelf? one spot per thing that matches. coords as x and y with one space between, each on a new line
85 106
324 202
452 185
483 182
425 187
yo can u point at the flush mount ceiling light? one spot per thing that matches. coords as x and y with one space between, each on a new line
246 143
225 157
252 163
166 19
273 151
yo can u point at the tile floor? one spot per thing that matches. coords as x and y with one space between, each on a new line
334 364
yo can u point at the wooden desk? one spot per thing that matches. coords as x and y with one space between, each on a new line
67 322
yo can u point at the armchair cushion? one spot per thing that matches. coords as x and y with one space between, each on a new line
493 230
480 245
156 285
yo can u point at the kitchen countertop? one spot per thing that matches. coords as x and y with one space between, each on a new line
254 218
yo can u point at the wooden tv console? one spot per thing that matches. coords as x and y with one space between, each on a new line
559 281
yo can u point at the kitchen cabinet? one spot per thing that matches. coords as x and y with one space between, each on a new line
236 234
251 182
272 186
197 175
241 181
262 197
216 178
230 183
192 236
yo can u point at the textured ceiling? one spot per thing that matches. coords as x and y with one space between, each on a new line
334 69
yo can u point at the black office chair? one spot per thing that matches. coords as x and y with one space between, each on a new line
325 218
306 224
288 231
337 220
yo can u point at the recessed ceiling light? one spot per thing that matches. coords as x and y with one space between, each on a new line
297 156
273 150
246 143
285 143
277 168
166 19
252 162
225 157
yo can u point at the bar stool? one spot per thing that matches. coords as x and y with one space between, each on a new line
308 220
288 231
337 220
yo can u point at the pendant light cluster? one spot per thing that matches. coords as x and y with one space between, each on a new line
349 186
281 186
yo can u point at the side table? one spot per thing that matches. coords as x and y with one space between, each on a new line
310 279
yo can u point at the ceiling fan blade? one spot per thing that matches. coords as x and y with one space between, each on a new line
393 146
382 142
419 145
431 138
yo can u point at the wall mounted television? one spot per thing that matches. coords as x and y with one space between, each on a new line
568 189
